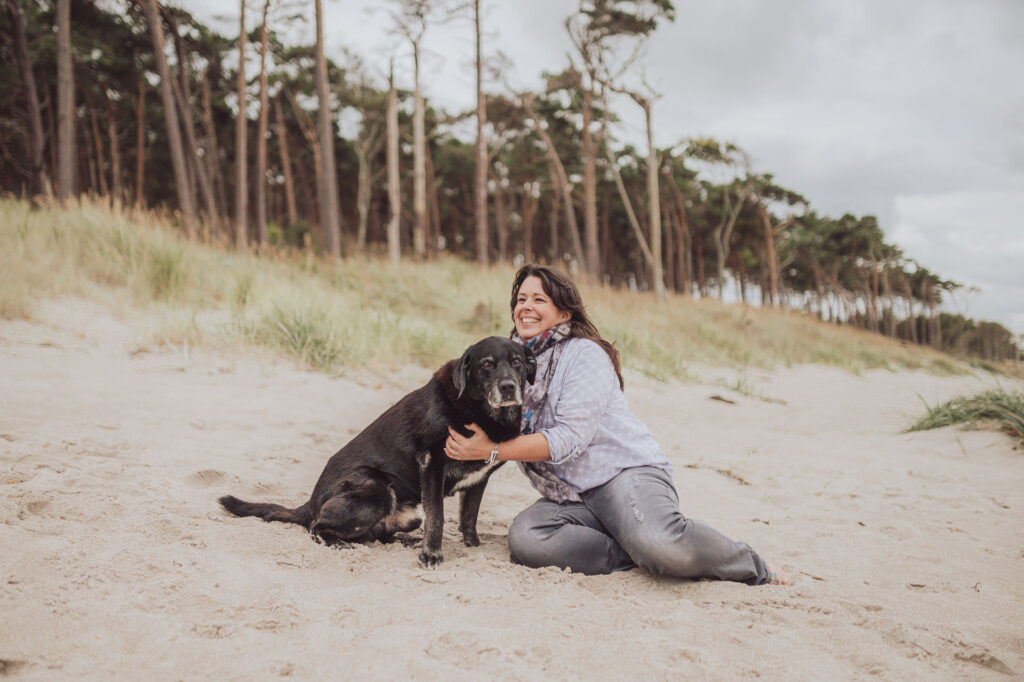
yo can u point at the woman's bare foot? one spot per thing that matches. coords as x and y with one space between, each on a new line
776 576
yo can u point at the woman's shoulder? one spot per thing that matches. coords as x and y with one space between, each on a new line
587 351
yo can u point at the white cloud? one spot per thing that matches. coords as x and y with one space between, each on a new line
976 238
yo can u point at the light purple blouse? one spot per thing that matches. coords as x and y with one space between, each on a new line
591 434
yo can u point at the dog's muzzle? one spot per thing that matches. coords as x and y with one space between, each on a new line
505 393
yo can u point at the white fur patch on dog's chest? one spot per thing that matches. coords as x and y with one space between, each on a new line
474 477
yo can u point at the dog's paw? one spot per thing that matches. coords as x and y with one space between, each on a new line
470 539
409 541
430 559
329 540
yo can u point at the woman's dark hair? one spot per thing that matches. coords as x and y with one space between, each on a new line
566 297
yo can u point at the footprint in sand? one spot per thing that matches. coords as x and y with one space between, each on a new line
10 666
33 507
205 478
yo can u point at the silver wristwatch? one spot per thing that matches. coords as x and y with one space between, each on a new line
494 455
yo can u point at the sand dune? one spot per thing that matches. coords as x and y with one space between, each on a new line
116 561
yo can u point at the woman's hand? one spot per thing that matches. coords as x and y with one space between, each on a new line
477 446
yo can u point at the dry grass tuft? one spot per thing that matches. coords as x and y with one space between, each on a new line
1000 408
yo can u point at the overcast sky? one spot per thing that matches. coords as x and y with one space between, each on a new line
910 110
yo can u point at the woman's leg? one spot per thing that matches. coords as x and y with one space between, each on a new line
640 509
567 536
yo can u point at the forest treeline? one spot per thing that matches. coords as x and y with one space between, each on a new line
139 102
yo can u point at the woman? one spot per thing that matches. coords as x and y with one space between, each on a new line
609 503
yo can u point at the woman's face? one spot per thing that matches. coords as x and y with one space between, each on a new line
534 312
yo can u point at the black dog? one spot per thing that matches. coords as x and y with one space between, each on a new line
370 488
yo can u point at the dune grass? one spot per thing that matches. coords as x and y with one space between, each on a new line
998 407
363 312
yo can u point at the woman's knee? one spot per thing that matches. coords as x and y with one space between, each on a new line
662 554
526 540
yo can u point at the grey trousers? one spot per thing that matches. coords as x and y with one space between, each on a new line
631 521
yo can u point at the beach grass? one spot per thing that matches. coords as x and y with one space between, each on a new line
361 311
999 408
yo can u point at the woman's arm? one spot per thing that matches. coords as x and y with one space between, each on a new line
529 448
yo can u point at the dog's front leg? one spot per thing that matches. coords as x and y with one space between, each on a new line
469 508
432 497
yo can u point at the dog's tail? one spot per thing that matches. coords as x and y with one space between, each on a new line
266 511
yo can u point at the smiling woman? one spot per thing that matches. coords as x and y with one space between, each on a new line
609 502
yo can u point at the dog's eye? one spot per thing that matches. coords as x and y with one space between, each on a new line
516 362
487 364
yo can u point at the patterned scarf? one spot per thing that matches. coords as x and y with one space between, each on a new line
547 349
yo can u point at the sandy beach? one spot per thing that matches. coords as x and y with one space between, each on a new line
116 561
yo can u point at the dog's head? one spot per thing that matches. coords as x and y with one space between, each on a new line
494 371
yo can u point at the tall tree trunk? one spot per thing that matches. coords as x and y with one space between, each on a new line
419 172
308 129
702 281
261 135
434 224
873 293
39 179
669 232
819 289
606 237
185 199
394 188
556 197
562 180
530 204
723 234
770 255
87 160
140 146
286 164
192 145
48 106
241 151
363 190
330 213
65 105
653 202
592 261
684 277
499 220
480 184
366 146
212 156
630 213
742 284
183 93
97 139
889 316
911 320
115 152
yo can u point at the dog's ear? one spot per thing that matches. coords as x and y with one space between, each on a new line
531 365
460 377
